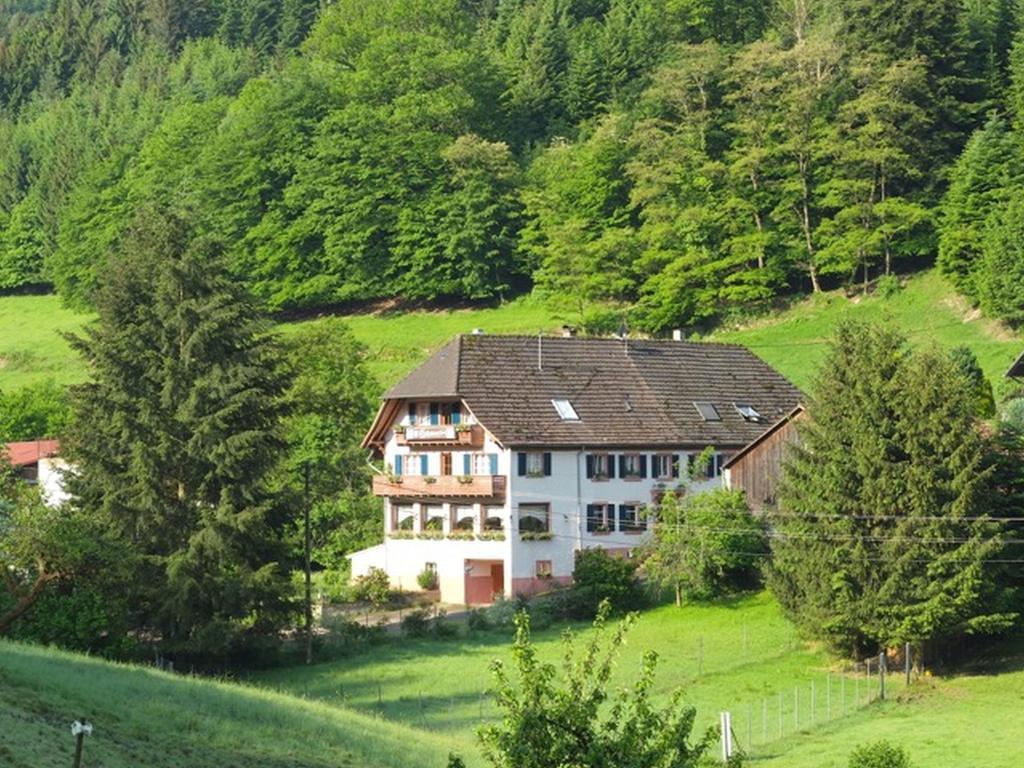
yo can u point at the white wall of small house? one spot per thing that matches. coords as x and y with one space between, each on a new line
51 481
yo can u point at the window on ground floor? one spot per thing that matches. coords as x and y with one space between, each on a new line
534 518
463 517
433 517
600 518
632 518
543 569
402 517
494 518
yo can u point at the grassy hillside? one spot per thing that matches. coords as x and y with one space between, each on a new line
738 656
749 656
32 346
147 718
928 310
406 703
32 349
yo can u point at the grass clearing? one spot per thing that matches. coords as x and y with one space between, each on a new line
928 310
428 702
731 655
32 348
148 718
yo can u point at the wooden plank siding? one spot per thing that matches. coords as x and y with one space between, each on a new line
757 469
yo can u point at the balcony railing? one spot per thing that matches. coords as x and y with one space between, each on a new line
445 486
444 435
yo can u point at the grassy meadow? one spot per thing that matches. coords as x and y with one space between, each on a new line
32 347
407 702
143 717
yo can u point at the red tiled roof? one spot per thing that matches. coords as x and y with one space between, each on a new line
30 452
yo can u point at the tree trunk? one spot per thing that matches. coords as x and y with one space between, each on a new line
679 596
25 601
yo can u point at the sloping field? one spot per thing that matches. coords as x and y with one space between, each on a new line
147 718
794 340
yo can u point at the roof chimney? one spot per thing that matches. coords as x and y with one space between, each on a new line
677 334
478 331
568 331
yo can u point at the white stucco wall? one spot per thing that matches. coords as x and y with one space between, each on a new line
566 490
51 481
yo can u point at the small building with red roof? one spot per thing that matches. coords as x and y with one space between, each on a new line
39 463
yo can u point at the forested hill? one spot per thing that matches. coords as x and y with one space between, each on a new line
682 159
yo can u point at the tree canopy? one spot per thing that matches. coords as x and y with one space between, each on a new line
674 160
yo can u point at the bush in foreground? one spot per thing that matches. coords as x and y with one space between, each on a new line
547 722
880 754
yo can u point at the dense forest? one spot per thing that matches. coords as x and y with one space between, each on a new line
679 159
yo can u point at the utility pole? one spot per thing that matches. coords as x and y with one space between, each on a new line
309 565
906 662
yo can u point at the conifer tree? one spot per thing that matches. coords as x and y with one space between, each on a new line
175 436
883 534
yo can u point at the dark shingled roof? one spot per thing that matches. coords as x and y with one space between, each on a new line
1017 369
639 392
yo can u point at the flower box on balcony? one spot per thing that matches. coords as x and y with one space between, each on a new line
429 480
461 535
430 535
491 536
465 479
400 535
536 536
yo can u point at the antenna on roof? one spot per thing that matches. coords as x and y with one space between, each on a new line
623 333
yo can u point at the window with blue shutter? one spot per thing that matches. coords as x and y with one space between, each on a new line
424 464
547 465
493 459
398 465
467 464
590 466
610 464
520 464
622 466
435 414
643 465
456 413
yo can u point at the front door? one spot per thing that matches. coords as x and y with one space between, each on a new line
497 579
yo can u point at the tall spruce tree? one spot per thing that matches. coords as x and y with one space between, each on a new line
175 437
882 535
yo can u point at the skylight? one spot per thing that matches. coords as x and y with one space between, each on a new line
707 411
565 410
748 412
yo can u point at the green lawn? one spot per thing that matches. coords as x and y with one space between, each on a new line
147 718
398 342
928 310
406 703
32 349
738 656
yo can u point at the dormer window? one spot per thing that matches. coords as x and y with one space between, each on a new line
565 410
748 412
707 411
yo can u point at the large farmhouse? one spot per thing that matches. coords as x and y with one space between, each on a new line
503 455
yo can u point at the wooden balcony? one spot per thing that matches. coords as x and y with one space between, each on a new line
444 487
442 436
